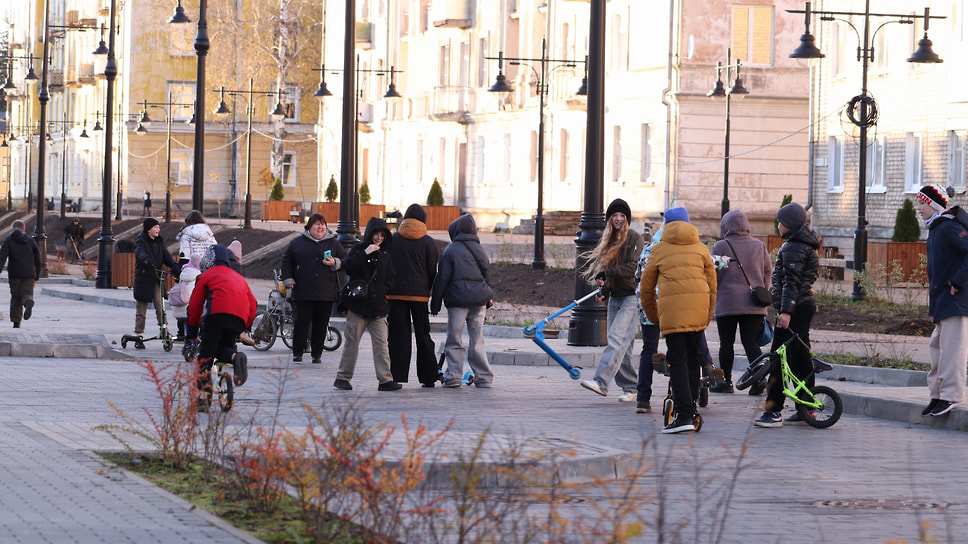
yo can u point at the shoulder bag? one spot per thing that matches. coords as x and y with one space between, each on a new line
357 289
760 296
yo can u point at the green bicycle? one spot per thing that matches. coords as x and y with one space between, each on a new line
820 406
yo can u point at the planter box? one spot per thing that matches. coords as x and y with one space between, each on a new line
440 217
330 211
278 210
122 270
906 254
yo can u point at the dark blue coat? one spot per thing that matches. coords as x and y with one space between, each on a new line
947 266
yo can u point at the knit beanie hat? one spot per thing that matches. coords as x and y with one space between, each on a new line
676 214
934 196
792 215
619 206
236 249
416 211
149 223
195 259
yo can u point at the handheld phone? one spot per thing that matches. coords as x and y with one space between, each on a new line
327 255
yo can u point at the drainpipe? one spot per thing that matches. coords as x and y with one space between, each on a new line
668 98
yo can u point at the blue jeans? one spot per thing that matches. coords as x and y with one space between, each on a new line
616 360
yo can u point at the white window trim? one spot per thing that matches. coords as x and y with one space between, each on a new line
182 161
835 165
646 151
182 103
913 162
876 181
957 151
291 181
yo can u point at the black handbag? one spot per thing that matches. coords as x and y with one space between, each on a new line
357 289
759 295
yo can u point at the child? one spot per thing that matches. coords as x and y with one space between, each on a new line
222 305
181 293
682 269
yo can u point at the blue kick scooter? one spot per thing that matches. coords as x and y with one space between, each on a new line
538 331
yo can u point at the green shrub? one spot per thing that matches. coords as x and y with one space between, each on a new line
364 193
277 192
906 227
436 195
332 192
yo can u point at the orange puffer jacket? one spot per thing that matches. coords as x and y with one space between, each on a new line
682 270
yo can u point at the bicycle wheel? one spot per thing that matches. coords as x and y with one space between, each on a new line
757 370
263 331
703 394
334 339
226 391
285 331
668 412
826 416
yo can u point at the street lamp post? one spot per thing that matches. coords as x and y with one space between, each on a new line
43 96
720 93
866 109
501 86
142 129
105 241
202 45
277 115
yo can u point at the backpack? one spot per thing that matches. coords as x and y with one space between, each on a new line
176 296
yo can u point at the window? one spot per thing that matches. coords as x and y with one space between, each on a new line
565 155
913 166
881 53
182 100
420 160
424 16
482 79
288 168
290 103
443 66
838 50
956 160
181 40
835 165
645 159
617 153
876 165
181 166
619 44
753 34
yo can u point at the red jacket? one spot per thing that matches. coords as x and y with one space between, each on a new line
221 290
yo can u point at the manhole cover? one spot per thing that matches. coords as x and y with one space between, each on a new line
879 504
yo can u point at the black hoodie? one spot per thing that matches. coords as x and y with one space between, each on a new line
24 256
374 268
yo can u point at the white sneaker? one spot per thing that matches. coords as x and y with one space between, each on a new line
629 396
592 385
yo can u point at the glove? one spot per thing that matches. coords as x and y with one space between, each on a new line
289 284
600 276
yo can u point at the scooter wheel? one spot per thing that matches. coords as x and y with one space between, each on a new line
468 377
166 343
124 343
697 422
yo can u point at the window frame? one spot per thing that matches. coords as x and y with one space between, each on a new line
913 162
835 165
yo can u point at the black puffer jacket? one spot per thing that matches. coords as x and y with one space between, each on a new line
415 256
360 266
150 255
302 264
796 268
23 254
462 279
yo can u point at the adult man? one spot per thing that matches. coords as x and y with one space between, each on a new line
74 238
414 255
947 299
23 272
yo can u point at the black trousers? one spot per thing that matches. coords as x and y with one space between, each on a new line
684 356
749 330
218 334
311 320
650 346
798 355
403 313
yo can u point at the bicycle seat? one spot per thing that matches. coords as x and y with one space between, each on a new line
821 366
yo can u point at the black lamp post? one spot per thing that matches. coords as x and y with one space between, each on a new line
43 96
866 109
587 326
202 45
501 86
105 241
720 93
223 112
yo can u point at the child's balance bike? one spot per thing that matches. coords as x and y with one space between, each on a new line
709 377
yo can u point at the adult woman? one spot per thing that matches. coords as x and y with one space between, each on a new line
309 267
612 266
195 237
150 255
368 261
749 265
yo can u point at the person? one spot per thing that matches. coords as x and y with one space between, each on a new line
682 270
235 256
795 271
150 255
23 272
221 307
181 294
612 267
947 299
310 276
749 265
147 204
195 237
462 284
414 255
125 245
368 261
74 239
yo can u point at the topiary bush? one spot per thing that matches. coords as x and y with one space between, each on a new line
332 192
277 192
364 193
436 195
906 227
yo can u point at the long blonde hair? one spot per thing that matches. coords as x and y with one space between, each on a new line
610 250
